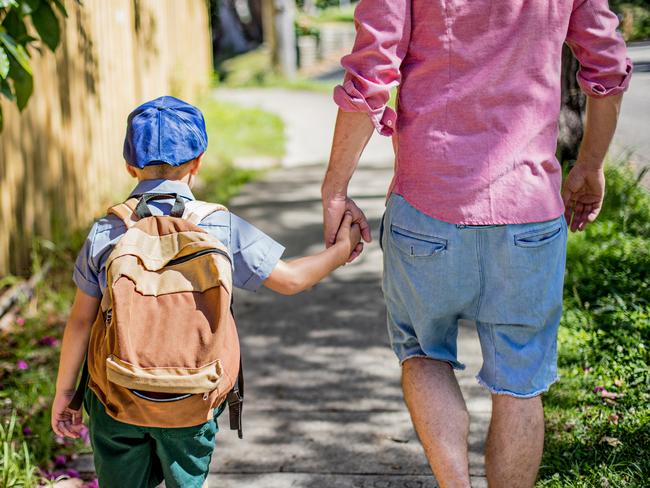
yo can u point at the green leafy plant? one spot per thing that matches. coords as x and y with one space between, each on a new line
25 24
635 15
598 416
16 468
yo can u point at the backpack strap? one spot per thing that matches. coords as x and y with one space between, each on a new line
235 401
78 398
126 211
196 210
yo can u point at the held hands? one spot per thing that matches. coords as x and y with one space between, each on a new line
583 193
334 208
348 237
65 421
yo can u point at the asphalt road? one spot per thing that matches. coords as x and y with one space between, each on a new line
633 132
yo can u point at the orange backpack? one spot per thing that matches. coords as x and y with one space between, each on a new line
164 350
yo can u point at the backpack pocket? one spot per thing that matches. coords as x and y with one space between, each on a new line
164 380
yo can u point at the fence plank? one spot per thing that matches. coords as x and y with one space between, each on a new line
61 159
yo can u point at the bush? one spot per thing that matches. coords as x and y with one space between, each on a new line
635 19
599 414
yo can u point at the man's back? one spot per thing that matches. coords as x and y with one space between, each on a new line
479 98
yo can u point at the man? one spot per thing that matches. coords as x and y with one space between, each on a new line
474 224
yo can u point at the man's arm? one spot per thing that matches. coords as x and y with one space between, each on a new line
351 134
291 277
604 75
67 422
584 188
372 70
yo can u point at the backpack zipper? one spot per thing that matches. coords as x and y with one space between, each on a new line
197 255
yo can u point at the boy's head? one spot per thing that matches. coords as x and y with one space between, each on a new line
165 138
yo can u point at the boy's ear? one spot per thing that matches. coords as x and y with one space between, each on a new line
196 164
131 170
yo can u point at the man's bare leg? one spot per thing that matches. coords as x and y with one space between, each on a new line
440 418
515 442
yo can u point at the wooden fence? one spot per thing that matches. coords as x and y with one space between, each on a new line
61 159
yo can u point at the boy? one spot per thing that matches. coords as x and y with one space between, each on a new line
164 146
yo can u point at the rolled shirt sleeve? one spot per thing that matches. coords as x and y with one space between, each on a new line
373 67
605 68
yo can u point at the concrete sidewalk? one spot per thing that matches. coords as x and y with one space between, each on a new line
323 401
309 119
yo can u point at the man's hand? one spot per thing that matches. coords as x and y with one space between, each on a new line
334 209
583 193
65 421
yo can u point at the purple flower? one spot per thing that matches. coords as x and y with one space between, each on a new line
59 460
599 389
22 364
20 321
91 484
50 475
84 435
72 473
27 431
49 341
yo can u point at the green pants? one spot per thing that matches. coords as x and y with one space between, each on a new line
129 456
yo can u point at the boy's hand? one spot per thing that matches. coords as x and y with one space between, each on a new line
65 421
348 236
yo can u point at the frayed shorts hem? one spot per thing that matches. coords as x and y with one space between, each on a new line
455 365
501 391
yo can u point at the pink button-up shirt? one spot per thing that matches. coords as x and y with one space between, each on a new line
476 125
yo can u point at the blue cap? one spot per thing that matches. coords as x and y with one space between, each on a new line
164 131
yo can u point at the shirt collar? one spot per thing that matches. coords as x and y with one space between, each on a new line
163 186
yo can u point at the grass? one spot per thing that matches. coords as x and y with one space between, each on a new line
235 132
598 415
29 452
253 69
336 14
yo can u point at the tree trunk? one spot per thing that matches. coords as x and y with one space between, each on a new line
309 7
228 33
280 35
256 29
572 112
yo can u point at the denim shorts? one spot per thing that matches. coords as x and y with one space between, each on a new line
506 278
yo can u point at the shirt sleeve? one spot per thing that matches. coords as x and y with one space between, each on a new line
85 274
605 68
373 67
255 254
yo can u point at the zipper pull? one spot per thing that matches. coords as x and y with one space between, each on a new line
205 396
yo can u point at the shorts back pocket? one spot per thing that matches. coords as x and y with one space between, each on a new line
415 244
539 237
